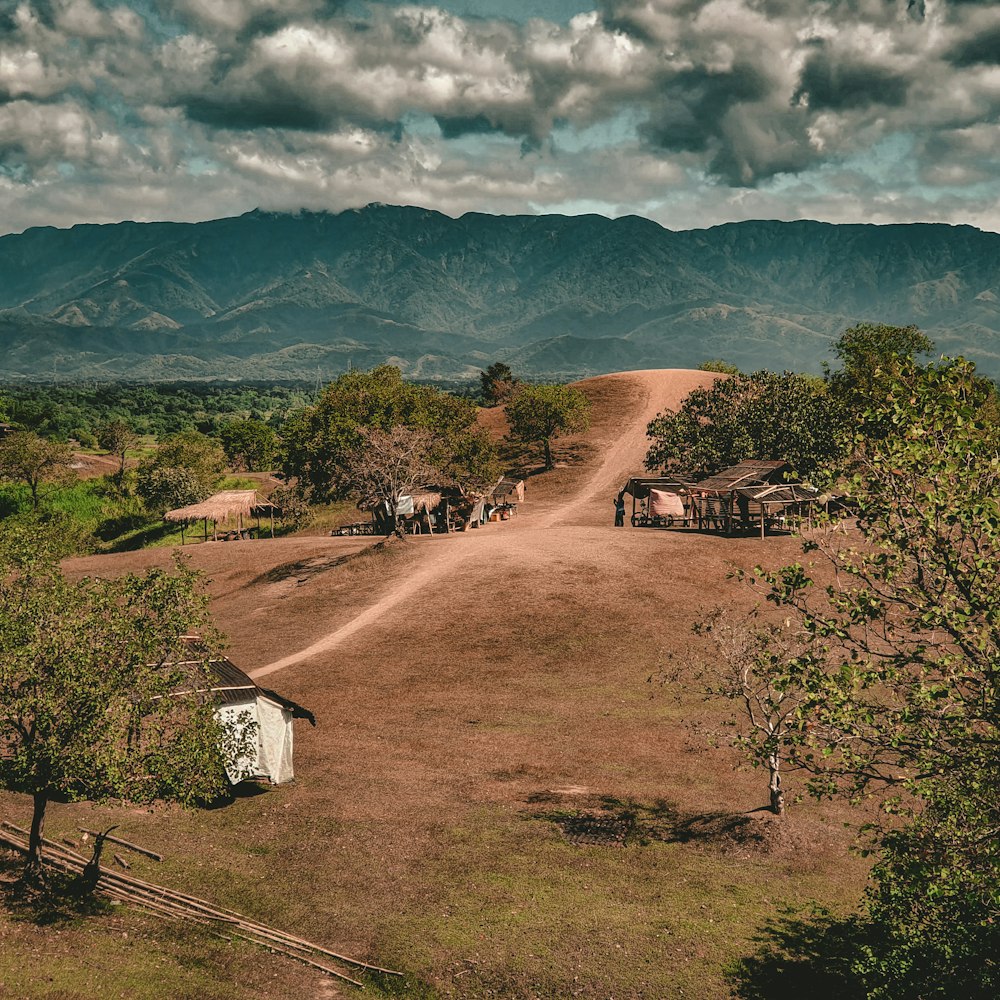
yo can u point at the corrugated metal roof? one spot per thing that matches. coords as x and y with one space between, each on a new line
782 493
749 473
231 686
639 486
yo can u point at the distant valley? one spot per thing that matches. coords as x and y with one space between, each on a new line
304 296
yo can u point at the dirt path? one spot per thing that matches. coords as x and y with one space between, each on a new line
529 538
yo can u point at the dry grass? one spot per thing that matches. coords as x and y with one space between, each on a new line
508 691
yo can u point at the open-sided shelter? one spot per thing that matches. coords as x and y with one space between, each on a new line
787 501
715 501
229 507
748 494
508 491
658 500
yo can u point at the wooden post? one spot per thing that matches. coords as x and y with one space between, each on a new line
182 532
763 515
206 529
272 522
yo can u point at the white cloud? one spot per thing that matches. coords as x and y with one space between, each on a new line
731 106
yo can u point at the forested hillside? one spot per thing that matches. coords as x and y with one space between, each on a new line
297 296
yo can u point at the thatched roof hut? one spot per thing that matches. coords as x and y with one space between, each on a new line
226 507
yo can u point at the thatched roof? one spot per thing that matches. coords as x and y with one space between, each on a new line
222 506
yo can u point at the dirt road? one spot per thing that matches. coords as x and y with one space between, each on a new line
536 534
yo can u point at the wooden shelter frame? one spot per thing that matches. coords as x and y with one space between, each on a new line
638 488
221 507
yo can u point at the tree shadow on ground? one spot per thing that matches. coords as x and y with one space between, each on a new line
141 539
802 954
56 900
301 570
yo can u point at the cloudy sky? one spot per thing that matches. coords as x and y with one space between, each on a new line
690 112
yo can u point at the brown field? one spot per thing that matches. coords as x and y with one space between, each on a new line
471 691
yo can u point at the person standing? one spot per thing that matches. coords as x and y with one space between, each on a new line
619 502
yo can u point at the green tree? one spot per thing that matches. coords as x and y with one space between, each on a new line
540 413
92 681
196 452
874 354
163 488
319 442
902 672
748 670
763 415
250 444
497 384
718 365
872 357
117 437
27 458
184 470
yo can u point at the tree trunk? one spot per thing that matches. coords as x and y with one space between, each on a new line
548 454
774 786
33 863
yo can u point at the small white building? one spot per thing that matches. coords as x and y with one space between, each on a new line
239 701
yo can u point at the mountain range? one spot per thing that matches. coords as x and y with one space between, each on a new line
270 296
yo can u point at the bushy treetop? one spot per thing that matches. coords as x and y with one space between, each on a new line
759 416
319 442
98 687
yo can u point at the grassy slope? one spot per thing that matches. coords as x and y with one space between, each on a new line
419 831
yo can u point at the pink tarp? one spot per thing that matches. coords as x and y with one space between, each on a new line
663 504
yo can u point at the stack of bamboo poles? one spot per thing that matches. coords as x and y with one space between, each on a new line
172 905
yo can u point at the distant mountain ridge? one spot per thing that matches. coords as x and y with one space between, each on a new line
303 295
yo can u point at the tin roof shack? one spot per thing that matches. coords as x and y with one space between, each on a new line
751 494
239 699
242 702
716 502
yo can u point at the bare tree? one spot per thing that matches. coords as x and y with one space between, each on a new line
388 465
751 669
117 437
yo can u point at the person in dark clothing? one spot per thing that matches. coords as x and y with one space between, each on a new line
620 510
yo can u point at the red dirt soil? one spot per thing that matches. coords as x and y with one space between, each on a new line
459 679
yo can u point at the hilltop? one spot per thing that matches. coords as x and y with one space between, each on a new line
277 296
472 691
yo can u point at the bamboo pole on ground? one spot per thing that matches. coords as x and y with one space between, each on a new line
180 905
